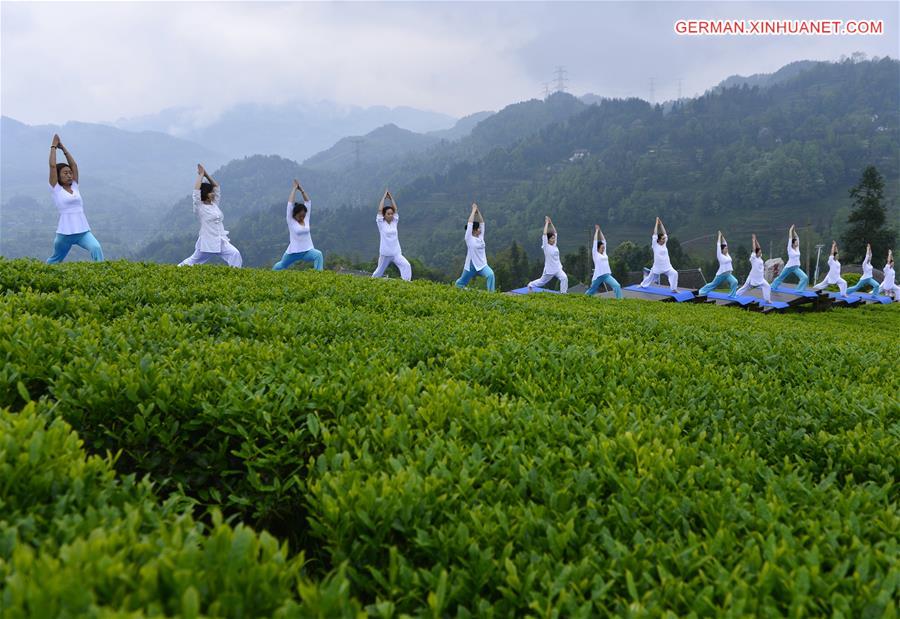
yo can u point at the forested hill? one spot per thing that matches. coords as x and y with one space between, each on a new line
744 159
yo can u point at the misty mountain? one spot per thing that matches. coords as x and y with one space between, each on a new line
765 80
382 144
462 128
295 130
745 159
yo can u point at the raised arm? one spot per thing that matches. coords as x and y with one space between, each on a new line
54 178
303 193
381 204
69 159
656 228
294 186
596 236
211 180
756 244
662 228
200 174
890 256
553 228
393 202
719 245
473 213
868 252
834 247
546 225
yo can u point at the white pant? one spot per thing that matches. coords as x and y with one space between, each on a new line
766 288
841 284
401 262
229 254
672 275
546 277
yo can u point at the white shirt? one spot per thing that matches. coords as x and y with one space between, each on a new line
867 267
834 270
661 262
300 238
552 264
757 270
724 261
601 263
475 249
71 210
793 255
212 230
888 281
390 241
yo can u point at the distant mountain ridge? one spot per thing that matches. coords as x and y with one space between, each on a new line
296 130
744 159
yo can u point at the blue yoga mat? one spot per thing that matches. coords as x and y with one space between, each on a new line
873 297
721 296
680 296
775 304
525 290
809 294
850 299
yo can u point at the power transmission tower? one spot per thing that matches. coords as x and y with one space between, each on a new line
561 79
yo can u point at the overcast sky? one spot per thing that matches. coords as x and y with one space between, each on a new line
103 61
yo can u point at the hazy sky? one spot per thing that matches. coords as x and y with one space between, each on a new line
103 61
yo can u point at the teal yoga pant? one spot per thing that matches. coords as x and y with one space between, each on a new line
471 272
609 280
63 243
801 277
310 255
868 281
718 281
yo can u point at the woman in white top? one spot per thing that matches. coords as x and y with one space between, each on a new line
725 273
552 265
757 277
866 279
834 273
389 247
793 263
888 284
661 263
73 228
476 260
213 238
602 272
300 245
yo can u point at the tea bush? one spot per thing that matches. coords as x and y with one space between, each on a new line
436 452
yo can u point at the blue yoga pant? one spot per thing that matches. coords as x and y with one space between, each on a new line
610 281
310 255
801 277
867 281
63 243
718 281
471 272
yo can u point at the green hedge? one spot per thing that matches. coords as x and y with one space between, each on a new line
431 451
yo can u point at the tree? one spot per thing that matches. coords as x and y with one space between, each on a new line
867 219
578 266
